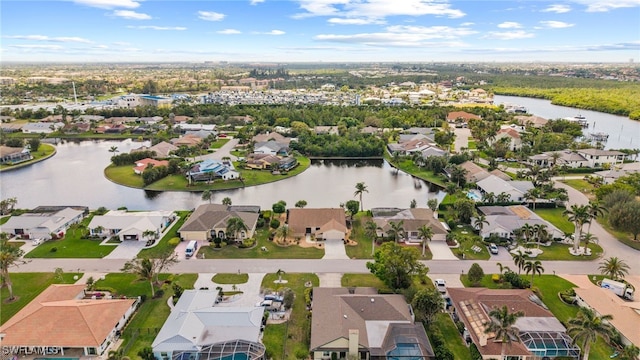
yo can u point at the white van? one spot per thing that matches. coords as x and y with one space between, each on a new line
191 248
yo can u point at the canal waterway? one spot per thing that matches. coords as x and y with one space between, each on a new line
74 176
623 132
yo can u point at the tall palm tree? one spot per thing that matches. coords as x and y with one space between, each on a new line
586 327
579 215
396 230
9 255
207 195
371 230
283 232
235 225
226 201
503 197
614 268
588 238
542 234
489 198
501 325
630 352
520 258
533 267
479 223
527 231
533 195
594 209
360 189
113 150
426 234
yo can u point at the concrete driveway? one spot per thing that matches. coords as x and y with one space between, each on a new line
334 249
462 138
441 251
127 249
250 290
331 280
182 246
452 280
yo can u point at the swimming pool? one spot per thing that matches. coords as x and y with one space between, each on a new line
474 195
405 351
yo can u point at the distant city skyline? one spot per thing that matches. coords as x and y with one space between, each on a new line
320 31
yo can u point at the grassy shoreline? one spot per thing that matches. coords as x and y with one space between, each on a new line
44 152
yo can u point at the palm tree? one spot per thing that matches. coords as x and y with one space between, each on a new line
396 230
457 175
283 232
395 159
555 156
594 209
588 238
226 201
113 150
479 223
532 194
235 225
503 197
432 204
98 230
371 230
520 258
207 195
533 267
149 233
586 327
280 272
579 215
630 352
614 268
501 325
360 189
426 234
144 268
9 255
489 198
527 231
542 234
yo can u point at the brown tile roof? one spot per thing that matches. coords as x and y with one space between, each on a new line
187 140
509 132
6 150
208 216
412 220
301 219
455 115
336 311
57 317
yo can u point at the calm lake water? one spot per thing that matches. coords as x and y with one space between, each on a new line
624 133
74 176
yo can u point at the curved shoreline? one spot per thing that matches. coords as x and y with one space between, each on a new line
32 161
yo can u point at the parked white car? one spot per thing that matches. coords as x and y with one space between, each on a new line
441 285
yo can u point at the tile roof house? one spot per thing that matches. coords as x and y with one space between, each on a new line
360 323
42 225
533 120
271 136
196 323
271 147
141 165
503 220
323 223
211 169
62 319
540 334
210 220
596 158
412 220
512 135
162 149
475 173
457 116
331 130
186 140
130 225
611 175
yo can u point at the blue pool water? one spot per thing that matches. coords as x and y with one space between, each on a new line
474 196
405 352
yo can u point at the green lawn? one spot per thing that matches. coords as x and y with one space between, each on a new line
218 143
4 219
625 238
163 245
73 245
580 184
364 280
273 251
451 336
471 145
150 316
230 278
467 239
124 175
44 151
556 218
26 286
290 341
362 248
561 252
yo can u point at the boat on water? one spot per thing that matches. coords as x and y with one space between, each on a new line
580 119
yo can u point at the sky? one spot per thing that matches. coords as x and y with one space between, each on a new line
320 31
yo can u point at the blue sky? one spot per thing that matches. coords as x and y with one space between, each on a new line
320 30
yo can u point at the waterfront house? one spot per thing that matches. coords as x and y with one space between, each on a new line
186 140
533 120
130 225
271 136
597 158
64 321
41 127
591 158
197 327
210 169
161 149
461 117
511 135
143 164
14 155
515 189
322 223
412 220
539 334
41 225
209 221
271 147
475 173
359 323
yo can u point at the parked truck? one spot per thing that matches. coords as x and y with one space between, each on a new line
621 289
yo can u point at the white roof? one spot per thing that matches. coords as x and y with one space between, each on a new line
50 221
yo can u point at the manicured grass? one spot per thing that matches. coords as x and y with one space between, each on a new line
451 336
471 145
163 245
467 239
219 143
625 238
364 280
152 313
580 184
274 251
361 250
73 245
556 218
26 286
230 278
124 175
409 167
561 252
45 150
290 340
4 219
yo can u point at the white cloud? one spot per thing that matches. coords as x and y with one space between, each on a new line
354 21
121 43
467 24
229 32
210 15
109 4
256 2
608 5
376 9
272 32
159 28
405 36
510 25
131 15
555 24
558 8
32 46
65 39
509 35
